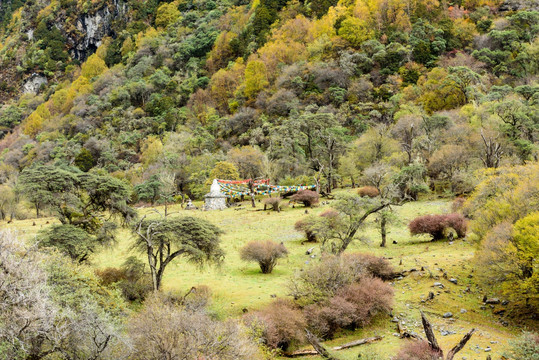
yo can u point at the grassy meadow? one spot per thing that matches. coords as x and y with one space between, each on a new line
237 285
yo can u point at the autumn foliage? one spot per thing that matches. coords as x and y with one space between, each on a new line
437 225
369 191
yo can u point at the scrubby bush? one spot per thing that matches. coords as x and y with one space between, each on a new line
321 281
362 264
273 202
353 306
433 225
307 197
417 350
304 226
282 324
130 279
369 191
265 253
436 225
165 330
525 347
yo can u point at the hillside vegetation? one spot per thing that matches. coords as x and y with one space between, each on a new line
400 137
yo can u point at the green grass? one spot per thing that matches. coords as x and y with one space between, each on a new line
237 285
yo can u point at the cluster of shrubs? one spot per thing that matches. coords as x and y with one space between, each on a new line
134 283
438 225
344 292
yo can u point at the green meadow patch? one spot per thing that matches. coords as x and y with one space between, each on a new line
238 286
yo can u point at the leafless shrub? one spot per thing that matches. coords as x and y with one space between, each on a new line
282 323
265 253
417 350
163 330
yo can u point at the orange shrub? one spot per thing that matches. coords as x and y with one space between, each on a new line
369 191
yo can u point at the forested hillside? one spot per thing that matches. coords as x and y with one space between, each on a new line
107 105
278 89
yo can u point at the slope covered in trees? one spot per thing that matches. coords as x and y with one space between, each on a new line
277 89
112 103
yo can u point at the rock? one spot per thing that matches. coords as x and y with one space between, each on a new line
448 315
463 311
439 284
273 295
395 319
487 349
431 295
493 342
492 301
94 27
453 280
505 302
446 332
309 251
34 83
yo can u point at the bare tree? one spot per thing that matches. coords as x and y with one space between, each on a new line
492 150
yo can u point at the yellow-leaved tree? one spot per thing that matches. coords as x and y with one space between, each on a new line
93 67
505 212
256 78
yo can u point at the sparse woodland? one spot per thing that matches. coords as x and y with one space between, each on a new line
413 123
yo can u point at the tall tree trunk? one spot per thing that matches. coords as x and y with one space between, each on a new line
383 223
153 271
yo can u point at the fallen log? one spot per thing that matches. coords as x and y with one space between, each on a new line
348 345
320 349
299 353
358 342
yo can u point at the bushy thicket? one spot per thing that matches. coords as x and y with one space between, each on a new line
130 278
337 293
